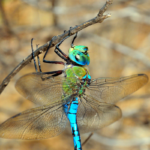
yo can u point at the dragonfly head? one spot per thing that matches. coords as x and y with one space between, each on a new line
79 55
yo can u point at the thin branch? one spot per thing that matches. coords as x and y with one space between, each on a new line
104 8
98 19
87 139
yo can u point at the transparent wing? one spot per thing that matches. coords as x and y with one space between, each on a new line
37 123
111 90
93 115
95 107
41 89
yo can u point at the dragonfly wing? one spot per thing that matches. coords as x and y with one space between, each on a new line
111 90
41 89
93 115
37 123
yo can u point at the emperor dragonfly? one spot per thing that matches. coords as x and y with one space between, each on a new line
87 104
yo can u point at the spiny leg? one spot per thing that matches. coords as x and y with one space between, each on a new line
53 62
54 73
33 55
58 50
39 65
74 39
38 61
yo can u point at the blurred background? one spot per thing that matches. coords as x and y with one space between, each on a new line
120 46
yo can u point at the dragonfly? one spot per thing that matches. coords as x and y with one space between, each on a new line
68 96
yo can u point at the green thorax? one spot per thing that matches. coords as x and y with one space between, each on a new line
76 71
74 76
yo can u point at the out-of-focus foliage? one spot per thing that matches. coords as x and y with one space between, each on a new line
120 46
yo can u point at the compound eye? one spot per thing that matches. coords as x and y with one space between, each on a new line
86 49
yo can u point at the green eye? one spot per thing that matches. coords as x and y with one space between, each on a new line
79 55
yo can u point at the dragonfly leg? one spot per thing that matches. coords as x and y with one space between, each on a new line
74 39
53 73
53 62
38 61
48 75
39 65
33 55
58 50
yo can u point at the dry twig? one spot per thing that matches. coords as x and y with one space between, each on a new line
87 139
98 19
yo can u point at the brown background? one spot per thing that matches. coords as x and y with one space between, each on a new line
120 46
